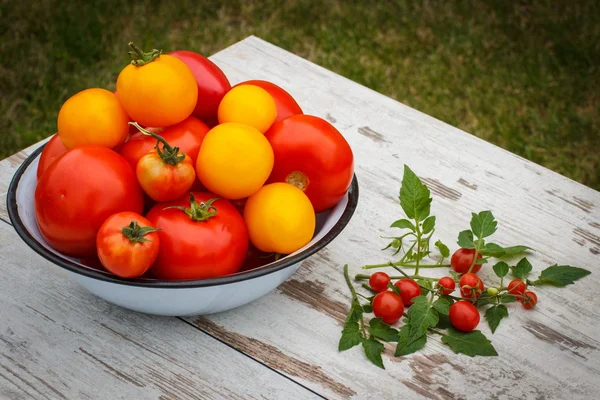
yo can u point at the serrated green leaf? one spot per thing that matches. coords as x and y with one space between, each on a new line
507 298
444 250
373 350
415 197
403 224
442 305
426 286
470 343
351 336
394 288
465 240
495 250
367 308
404 347
483 224
522 268
560 275
428 224
421 317
494 315
382 331
501 269
444 322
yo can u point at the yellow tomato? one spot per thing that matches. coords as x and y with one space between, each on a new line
92 116
250 105
157 90
234 161
280 218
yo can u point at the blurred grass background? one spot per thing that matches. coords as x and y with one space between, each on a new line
524 75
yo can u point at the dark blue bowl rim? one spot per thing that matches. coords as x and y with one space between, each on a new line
80 269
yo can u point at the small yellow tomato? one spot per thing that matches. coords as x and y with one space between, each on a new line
234 160
280 218
92 117
250 105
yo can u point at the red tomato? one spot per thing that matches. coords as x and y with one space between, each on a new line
517 286
127 244
312 155
409 289
470 286
187 135
53 149
464 316
530 301
388 306
78 192
212 84
379 281
286 105
447 285
462 259
256 258
212 241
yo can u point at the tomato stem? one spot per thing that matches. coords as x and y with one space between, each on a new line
140 58
198 212
135 233
405 265
169 155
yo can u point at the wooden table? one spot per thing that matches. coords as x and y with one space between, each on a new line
59 342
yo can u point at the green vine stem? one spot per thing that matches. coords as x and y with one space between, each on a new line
405 265
354 297
169 155
140 58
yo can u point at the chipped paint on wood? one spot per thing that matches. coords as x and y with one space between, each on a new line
312 294
371 134
575 202
467 184
587 235
442 190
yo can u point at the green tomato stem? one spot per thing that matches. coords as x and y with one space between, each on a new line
140 58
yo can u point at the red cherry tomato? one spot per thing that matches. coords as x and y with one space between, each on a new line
470 286
464 316
517 286
212 84
462 259
530 301
52 150
379 281
312 155
388 306
447 284
409 289
78 192
286 105
212 241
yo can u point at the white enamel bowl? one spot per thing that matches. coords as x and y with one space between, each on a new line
172 298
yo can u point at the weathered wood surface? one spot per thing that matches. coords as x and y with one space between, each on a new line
549 352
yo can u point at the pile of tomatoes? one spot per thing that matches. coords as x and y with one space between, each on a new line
178 175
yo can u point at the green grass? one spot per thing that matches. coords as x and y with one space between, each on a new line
524 75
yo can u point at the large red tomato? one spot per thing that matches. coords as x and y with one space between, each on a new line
314 156
212 84
78 192
286 105
53 149
202 238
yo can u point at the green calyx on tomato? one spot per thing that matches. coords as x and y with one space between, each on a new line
139 57
199 212
135 233
169 155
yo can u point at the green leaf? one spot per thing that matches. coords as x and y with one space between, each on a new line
367 308
465 240
421 317
495 250
444 250
507 298
501 269
382 331
415 197
373 350
483 224
560 275
351 336
426 286
404 347
494 315
403 224
394 288
483 300
444 322
470 343
428 224
522 268
442 305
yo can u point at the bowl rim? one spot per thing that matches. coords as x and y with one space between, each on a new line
15 219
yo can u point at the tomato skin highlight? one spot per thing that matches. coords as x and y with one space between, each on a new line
379 281
447 284
285 103
52 150
314 156
162 181
388 306
472 280
462 259
464 316
78 192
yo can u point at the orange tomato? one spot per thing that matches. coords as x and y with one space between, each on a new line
280 218
92 117
164 181
157 90
234 161
250 105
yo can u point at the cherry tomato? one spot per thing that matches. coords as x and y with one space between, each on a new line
447 284
409 289
285 103
280 218
517 286
462 259
388 306
312 155
78 192
204 237
127 244
464 316
92 117
157 90
250 105
470 286
187 135
379 281
212 84
52 150
234 161
530 301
